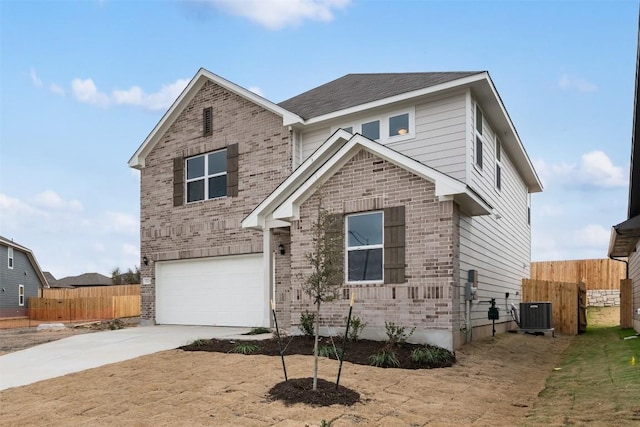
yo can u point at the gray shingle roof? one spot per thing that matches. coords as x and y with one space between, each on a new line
86 279
357 89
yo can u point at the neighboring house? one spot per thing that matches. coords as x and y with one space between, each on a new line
53 282
20 278
425 171
86 279
625 237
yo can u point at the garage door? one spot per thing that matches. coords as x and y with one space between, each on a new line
221 291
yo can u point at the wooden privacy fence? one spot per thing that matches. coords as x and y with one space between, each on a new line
594 273
569 302
72 309
91 292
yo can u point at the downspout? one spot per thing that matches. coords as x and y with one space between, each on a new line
622 260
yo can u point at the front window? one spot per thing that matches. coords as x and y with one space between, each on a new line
399 125
365 247
21 295
207 176
371 130
10 258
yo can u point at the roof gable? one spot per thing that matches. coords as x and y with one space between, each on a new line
202 76
284 203
358 89
29 253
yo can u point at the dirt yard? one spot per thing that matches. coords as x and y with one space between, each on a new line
495 382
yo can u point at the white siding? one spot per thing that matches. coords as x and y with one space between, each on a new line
440 135
498 248
439 139
634 275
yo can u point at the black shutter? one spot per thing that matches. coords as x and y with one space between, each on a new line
178 181
335 232
232 170
394 244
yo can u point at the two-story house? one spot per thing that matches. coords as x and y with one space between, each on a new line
425 172
20 278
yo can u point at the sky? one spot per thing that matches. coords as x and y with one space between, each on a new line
82 83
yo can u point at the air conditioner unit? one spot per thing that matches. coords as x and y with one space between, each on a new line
536 315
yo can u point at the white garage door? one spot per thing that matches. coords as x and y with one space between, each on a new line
221 291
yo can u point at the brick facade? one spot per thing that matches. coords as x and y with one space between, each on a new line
212 227
429 297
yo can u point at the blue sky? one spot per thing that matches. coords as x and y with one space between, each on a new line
82 83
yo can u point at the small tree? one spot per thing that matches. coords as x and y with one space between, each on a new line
131 277
325 279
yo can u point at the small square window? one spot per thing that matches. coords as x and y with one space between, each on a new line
371 130
399 125
478 120
10 258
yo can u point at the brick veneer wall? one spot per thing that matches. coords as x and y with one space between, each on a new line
428 299
213 227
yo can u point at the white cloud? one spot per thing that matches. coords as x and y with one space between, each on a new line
256 90
154 101
51 200
277 14
35 80
568 82
592 235
56 89
86 91
129 249
119 222
595 169
98 247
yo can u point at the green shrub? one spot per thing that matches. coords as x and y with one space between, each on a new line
385 359
355 328
199 342
258 331
244 348
307 322
432 356
396 335
327 351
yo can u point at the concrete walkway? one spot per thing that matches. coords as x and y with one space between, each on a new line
86 351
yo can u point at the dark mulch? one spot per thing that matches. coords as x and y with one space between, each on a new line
357 352
300 390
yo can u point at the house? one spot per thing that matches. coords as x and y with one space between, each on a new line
425 171
85 279
625 237
20 278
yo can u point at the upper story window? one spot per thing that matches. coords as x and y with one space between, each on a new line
498 164
478 138
21 295
10 258
207 176
365 247
396 126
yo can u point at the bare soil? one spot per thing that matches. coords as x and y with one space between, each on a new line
494 382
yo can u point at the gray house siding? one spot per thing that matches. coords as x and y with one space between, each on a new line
634 275
22 273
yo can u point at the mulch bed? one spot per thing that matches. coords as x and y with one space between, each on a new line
299 390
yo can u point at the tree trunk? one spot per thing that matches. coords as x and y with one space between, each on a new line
315 347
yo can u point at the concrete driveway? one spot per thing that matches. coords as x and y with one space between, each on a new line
86 351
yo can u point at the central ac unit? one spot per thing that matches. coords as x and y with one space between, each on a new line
536 315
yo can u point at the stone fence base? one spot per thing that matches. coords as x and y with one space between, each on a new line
603 298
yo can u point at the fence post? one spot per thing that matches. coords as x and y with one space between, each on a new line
626 304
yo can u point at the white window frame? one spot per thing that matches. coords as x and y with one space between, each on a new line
498 156
10 259
478 138
356 126
206 177
21 295
361 247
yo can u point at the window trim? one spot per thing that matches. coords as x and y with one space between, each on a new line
21 295
347 248
383 119
10 258
204 177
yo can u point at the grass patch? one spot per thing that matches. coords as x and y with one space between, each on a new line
596 381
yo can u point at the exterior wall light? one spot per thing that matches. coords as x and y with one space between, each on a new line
281 249
145 260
